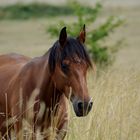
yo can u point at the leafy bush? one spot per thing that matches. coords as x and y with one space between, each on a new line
87 15
33 10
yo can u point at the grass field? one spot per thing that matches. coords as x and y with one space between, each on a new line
116 93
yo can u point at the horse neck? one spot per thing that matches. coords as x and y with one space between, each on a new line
48 92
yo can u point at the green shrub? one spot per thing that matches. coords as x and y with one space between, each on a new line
87 15
33 10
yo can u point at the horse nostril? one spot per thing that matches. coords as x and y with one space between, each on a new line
80 105
90 105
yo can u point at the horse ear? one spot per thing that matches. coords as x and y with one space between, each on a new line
82 35
63 37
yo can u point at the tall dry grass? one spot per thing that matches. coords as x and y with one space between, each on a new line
116 109
115 114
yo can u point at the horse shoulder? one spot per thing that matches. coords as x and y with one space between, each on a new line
28 78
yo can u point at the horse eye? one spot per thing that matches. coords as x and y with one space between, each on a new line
65 67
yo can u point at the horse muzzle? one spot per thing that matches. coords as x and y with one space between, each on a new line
82 108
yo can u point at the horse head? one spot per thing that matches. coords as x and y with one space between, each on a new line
69 63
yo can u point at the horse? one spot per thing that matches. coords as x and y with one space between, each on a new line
53 78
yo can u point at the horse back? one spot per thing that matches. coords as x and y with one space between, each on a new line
10 64
13 58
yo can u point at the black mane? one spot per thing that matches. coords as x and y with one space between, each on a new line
72 47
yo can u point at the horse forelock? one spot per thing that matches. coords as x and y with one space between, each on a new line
71 49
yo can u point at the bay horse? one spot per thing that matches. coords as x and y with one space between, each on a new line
58 75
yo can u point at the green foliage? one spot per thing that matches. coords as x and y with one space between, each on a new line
22 11
33 10
100 54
